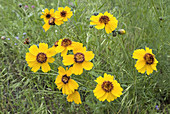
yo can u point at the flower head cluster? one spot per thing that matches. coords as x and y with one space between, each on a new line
146 60
40 57
105 20
68 85
56 18
107 88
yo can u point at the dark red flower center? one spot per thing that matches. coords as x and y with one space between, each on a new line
104 19
79 57
65 79
51 21
107 86
48 16
41 58
56 44
63 13
66 42
149 58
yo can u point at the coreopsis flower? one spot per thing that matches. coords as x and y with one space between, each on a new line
40 57
63 13
52 21
107 88
80 59
146 60
65 82
65 44
47 15
105 20
75 96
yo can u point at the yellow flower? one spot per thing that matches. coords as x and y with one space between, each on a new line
80 59
40 57
65 44
63 13
74 97
47 15
107 88
146 60
52 21
105 20
64 81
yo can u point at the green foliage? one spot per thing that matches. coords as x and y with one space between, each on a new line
146 24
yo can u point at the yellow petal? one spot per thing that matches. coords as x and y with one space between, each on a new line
46 11
61 70
98 91
46 26
45 67
104 97
58 22
139 54
149 69
108 29
155 60
51 11
140 64
148 50
58 79
77 68
51 52
154 66
87 65
110 97
69 72
30 57
36 67
59 49
31 63
100 26
89 55
60 9
60 85
72 85
43 47
142 70
34 50
68 59
108 77
50 59
99 80
42 16
64 52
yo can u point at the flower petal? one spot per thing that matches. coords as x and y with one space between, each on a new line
139 54
99 26
87 65
149 69
68 59
50 52
36 67
140 64
34 50
50 59
77 68
45 67
89 55
43 47
61 70
46 26
30 57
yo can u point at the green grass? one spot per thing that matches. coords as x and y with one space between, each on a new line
22 91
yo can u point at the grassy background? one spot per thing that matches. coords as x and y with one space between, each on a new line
146 24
